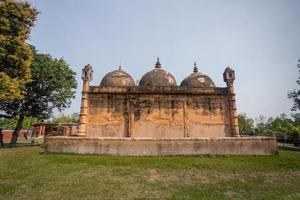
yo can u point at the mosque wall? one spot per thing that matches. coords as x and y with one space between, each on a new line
208 116
107 116
158 115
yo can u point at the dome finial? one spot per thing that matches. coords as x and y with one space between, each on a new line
195 68
120 67
157 65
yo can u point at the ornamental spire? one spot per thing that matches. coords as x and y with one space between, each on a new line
157 65
120 67
195 68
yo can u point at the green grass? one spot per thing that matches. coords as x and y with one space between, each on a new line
27 173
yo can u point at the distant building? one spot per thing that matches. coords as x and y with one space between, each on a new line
7 134
41 129
52 129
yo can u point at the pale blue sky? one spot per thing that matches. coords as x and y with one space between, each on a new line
259 39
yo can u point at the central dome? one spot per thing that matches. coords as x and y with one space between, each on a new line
117 78
158 77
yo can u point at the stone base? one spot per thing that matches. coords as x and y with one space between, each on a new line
158 147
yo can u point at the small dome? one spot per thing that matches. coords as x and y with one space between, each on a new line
117 78
158 77
197 79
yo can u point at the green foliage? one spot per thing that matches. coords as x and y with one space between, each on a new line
16 20
295 94
246 124
53 86
261 126
11 123
66 119
278 126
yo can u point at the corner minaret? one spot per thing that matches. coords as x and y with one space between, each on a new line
229 78
87 76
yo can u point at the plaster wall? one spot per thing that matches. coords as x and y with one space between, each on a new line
145 147
157 115
107 116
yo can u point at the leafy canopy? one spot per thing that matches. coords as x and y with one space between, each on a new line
74 118
11 123
295 94
16 20
246 124
53 86
278 126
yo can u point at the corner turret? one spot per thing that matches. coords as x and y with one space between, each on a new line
229 77
87 76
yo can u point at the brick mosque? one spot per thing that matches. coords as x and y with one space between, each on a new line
159 117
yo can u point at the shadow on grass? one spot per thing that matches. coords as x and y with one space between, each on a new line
289 148
6 145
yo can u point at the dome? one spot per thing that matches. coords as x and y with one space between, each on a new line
158 77
117 78
197 79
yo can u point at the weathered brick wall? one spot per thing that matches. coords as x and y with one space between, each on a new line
208 116
157 115
107 115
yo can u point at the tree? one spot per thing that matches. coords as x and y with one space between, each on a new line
10 123
74 118
261 125
283 125
16 20
246 124
53 86
295 94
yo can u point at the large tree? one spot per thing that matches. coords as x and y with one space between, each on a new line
16 20
246 124
295 94
53 86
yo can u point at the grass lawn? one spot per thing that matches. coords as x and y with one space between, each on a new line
27 173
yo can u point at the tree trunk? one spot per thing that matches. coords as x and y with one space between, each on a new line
16 132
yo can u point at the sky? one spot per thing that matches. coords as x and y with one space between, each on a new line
259 39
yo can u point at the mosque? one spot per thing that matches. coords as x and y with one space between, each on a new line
159 117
